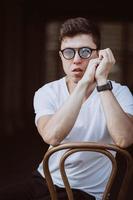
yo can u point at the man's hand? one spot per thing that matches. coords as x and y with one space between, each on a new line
89 75
98 69
107 60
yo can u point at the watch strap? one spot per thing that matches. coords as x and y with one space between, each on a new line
107 86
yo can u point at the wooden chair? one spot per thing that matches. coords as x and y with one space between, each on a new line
95 147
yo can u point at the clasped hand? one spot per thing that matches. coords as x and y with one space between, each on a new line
99 68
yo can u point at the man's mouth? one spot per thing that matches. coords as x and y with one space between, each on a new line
77 70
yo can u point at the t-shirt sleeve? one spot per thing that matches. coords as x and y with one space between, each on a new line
125 99
44 102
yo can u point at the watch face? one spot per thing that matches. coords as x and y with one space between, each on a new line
107 86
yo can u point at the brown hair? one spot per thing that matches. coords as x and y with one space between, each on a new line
80 25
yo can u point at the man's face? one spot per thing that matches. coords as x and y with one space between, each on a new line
75 67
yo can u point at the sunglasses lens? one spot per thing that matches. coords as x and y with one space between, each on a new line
85 52
68 53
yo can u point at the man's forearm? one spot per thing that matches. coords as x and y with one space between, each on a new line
60 124
119 124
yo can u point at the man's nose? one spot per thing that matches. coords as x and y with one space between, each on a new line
76 58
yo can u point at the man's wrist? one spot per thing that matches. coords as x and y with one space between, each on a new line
106 86
101 82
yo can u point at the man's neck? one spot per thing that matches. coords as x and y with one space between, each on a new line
71 86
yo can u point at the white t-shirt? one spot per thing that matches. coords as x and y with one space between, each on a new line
87 171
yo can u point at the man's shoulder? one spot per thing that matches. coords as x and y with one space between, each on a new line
53 85
120 88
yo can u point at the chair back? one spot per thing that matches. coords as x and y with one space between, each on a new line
95 147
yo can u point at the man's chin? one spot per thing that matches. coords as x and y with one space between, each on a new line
76 80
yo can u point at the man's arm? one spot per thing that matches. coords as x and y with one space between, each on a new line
120 124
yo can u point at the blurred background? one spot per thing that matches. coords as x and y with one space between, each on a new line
29 58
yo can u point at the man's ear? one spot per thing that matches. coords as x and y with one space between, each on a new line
60 53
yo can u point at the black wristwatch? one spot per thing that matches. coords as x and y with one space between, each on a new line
107 86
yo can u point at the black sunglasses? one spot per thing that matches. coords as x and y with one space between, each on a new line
84 52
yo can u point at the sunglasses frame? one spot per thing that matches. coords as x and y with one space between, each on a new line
77 49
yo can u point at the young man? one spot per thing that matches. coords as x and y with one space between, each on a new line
84 106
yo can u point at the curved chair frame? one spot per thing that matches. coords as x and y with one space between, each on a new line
89 146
